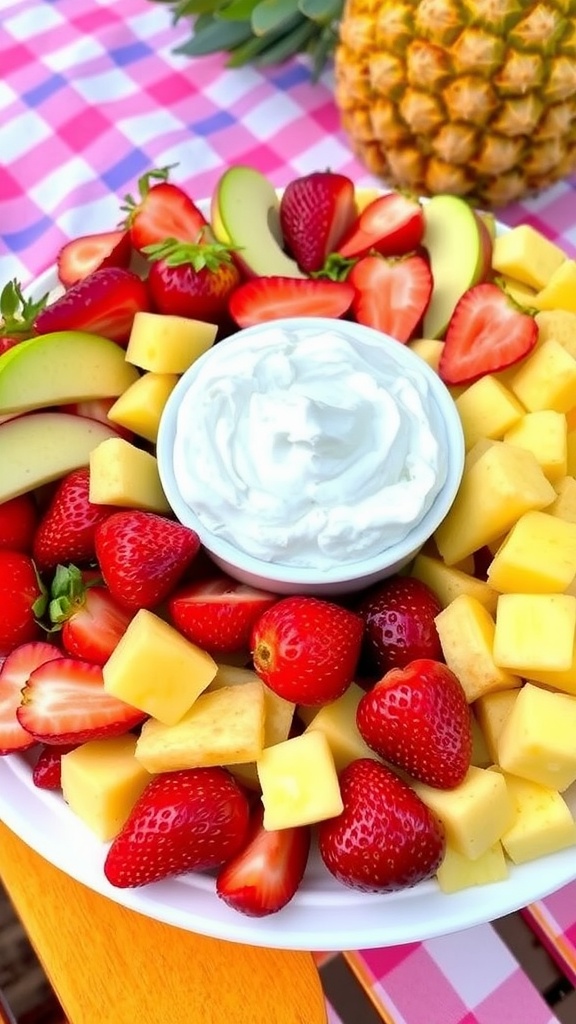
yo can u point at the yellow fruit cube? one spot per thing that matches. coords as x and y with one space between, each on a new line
141 406
537 557
546 379
502 484
101 782
537 738
299 782
526 255
564 504
476 451
563 680
121 474
491 711
429 349
337 721
154 668
466 631
475 814
571 452
542 822
448 582
487 409
543 433
557 325
560 291
522 293
278 712
480 754
224 726
168 344
458 872
534 631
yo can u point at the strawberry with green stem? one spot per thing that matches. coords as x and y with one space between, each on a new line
192 279
161 210
17 315
90 621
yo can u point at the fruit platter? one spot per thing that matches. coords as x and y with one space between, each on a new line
303 770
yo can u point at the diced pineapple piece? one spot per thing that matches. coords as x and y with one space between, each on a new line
487 409
491 711
457 872
337 721
571 452
224 726
101 782
526 255
168 344
522 293
543 433
560 291
448 582
466 631
480 754
564 505
278 711
429 349
141 406
564 680
121 474
299 782
154 668
542 824
537 738
557 325
546 379
475 814
534 631
537 557
502 484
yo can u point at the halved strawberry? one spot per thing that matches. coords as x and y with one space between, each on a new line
392 225
487 332
64 701
13 677
162 210
81 256
105 303
391 295
46 773
316 211
270 298
218 613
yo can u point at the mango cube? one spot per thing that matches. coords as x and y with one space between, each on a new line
570 450
534 631
564 504
429 349
278 712
121 474
560 290
542 822
538 556
537 738
546 379
543 433
168 344
487 409
458 872
491 711
522 293
141 406
557 325
299 782
101 782
448 582
475 814
154 668
526 255
337 721
563 680
466 631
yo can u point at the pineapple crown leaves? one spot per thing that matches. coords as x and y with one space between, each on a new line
17 314
199 255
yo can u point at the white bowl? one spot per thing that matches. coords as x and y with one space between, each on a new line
337 578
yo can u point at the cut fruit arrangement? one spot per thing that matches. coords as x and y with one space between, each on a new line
424 727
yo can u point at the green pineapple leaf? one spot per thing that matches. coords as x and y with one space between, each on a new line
214 35
321 10
238 10
271 15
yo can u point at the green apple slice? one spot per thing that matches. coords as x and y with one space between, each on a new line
60 368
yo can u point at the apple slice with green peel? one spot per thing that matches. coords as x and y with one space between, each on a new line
459 253
62 368
40 447
245 213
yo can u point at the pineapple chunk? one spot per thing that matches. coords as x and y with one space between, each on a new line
526 255
537 738
475 814
546 379
448 582
564 681
466 631
557 325
458 872
543 433
491 711
537 557
101 782
534 631
154 668
571 450
476 451
224 726
564 505
429 349
299 782
542 824
121 474
560 291
481 757
141 406
278 711
522 293
487 409
168 344
503 483
338 721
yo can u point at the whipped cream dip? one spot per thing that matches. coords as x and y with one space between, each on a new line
307 446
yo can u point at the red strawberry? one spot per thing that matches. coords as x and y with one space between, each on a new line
104 303
91 621
162 210
487 332
81 256
14 675
193 279
20 590
316 211
307 649
97 409
142 556
399 616
17 315
218 613
385 838
46 773
64 702
265 874
418 719
18 519
392 225
269 298
67 529
391 295
190 820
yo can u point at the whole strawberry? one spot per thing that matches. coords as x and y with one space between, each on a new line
193 280
306 649
385 838
316 212
91 622
18 520
20 590
105 302
67 529
142 556
190 820
418 719
399 622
